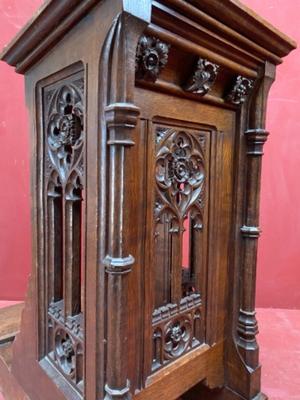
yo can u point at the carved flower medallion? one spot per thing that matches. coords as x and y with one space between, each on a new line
64 352
178 338
151 57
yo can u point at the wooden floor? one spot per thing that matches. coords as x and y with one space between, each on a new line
279 340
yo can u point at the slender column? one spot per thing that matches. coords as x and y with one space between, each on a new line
72 281
121 118
247 324
55 255
256 137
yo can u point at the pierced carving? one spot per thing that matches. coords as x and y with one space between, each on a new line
65 343
179 175
64 127
64 178
177 337
64 352
240 91
151 58
179 208
175 330
203 78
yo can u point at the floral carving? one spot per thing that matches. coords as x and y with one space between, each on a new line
180 174
151 57
178 337
240 91
203 78
176 330
64 352
65 128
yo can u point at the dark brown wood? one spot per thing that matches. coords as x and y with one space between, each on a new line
147 132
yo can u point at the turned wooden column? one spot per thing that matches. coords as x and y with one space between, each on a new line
121 116
247 324
255 137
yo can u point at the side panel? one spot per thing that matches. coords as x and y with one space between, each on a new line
189 164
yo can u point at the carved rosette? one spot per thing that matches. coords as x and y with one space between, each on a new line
178 337
175 330
203 78
151 58
64 352
240 91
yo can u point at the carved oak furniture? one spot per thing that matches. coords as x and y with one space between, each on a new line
147 131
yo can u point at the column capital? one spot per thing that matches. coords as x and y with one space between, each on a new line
256 138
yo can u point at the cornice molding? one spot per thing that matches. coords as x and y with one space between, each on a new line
51 22
55 18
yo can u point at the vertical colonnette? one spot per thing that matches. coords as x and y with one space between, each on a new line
121 116
256 137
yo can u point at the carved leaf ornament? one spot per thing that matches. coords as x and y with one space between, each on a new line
241 90
203 78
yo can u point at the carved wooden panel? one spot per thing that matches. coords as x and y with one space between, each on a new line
64 161
180 213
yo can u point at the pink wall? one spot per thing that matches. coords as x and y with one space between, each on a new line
279 247
14 161
279 251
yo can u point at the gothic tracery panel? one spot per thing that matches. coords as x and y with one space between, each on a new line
181 180
64 136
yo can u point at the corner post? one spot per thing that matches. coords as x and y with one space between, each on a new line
255 137
120 117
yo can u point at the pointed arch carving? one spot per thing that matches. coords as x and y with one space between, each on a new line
64 169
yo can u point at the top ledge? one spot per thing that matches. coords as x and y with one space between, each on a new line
55 18
247 22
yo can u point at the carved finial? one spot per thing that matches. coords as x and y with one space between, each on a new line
240 90
203 78
151 57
